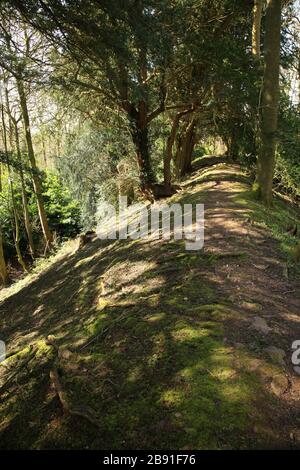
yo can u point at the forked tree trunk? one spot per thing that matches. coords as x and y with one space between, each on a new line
256 27
270 92
169 149
35 177
185 147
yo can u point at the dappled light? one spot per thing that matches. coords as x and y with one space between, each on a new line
160 339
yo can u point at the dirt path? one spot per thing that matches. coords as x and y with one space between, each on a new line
172 349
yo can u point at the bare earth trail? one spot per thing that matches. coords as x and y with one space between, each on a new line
170 349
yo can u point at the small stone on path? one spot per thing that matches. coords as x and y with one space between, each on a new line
279 385
261 325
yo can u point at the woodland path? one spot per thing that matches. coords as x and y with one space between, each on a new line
172 349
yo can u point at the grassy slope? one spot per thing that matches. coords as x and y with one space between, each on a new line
160 372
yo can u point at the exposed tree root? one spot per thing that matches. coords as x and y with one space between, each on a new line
161 191
83 411
229 254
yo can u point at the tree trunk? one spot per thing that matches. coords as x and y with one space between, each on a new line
270 92
3 269
44 149
170 143
233 147
14 129
27 221
257 16
299 80
16 229
35 177
139 134
169 152
16 232
189 143
185 147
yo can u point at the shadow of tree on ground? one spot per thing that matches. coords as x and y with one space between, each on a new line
161 341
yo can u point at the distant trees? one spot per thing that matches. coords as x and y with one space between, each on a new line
35 173
15 144
29 197
19 49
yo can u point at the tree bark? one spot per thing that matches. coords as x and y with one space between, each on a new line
140 138
27 221
14 125
169 149
256 27
189 143
269 111
16 229
3 269
35 177
141 143
185 149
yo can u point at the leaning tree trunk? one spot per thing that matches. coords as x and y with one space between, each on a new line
35 176
269 111
256 27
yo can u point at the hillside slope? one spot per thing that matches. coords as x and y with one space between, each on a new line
164 348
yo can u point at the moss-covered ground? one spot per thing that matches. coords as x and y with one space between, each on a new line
156 340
